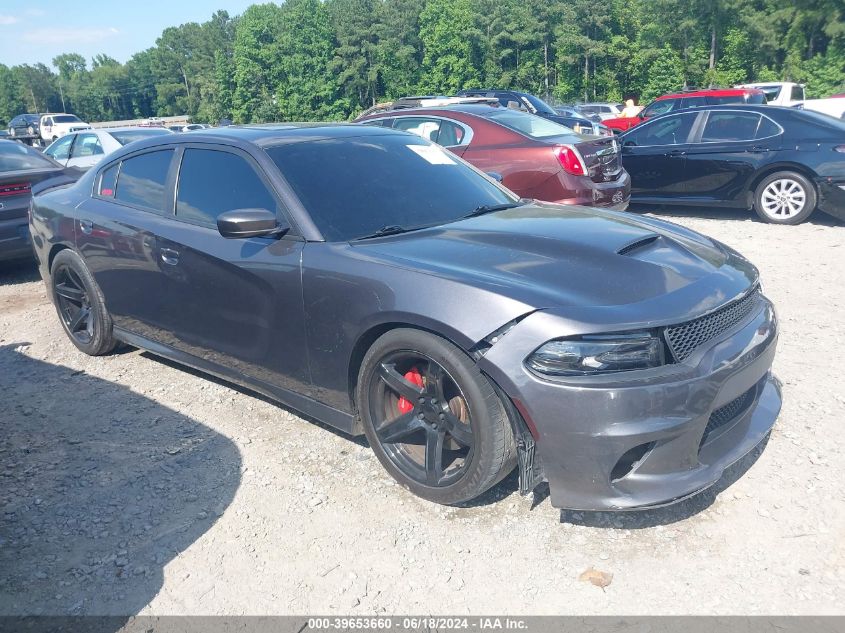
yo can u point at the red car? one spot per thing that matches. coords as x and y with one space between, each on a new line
693 99
536 158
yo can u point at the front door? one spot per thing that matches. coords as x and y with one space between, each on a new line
232 302
654 154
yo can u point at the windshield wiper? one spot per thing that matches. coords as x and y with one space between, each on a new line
492 208
390 229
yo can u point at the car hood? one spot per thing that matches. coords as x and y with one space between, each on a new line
550 256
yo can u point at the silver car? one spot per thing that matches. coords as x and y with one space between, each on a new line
85 149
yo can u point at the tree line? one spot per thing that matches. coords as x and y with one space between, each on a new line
330 59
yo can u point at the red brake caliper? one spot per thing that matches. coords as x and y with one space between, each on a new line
414 376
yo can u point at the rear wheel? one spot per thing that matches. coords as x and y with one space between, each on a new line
785 197
79 302
433 420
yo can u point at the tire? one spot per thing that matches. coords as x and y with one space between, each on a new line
785 197
80 305
463 420
11 131
30 130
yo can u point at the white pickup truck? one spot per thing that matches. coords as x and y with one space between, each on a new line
791 95
56 125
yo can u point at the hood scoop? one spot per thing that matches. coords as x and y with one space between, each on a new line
637 244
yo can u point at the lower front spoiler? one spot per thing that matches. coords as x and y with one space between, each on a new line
736 440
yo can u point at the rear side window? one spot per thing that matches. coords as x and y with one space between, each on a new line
143 178
212 182
797 93
108 181
767 128
730 126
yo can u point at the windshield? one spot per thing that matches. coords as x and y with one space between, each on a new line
14 156
539 104
66 118
127 136
528 124
352 187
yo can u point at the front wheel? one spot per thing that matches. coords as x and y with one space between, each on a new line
79 302
433 420
785 198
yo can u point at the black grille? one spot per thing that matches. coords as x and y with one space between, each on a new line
728 413
684 338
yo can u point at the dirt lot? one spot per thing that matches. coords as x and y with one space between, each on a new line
128 485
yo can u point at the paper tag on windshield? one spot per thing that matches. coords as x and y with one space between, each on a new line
432 154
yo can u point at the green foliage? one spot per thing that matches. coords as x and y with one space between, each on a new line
451 56
329 59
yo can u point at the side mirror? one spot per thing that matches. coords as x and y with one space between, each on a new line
242 223
496 176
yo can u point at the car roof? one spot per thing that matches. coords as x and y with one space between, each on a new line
713 92
477 109
267 135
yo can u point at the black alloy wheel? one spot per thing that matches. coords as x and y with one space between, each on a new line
73 304
80 304
423 419
434 421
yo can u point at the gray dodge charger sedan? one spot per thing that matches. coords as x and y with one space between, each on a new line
369 279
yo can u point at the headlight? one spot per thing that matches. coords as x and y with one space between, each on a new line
597 354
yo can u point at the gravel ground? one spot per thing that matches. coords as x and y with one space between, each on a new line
129 485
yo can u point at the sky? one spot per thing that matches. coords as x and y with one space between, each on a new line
34 31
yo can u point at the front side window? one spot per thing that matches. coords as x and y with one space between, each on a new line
419 183
60 150
86 145
660 107
672 130
730 126
143 178
212 182
694 102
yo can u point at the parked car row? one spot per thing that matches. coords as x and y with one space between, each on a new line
782 162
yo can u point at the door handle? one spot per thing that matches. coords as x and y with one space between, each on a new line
86 226
677 152
169 256
758 149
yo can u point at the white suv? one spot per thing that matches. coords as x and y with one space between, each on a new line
55 126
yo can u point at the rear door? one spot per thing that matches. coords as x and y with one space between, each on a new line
654 154
116 233
231 302
728 149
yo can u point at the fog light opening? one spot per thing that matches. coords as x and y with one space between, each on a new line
629 461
